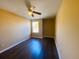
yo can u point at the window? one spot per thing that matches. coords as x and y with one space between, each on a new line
35 26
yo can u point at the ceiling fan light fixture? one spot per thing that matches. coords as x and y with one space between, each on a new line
30 13
31 8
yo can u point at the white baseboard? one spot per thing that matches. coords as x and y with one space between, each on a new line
50 36
12 46
37 37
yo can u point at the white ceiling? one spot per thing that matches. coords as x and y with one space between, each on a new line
46 7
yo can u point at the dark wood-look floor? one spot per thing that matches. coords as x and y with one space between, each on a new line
33 49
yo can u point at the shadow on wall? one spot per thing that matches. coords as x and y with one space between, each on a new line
13 29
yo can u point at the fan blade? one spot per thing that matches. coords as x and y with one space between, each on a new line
32 15
28 4
37 12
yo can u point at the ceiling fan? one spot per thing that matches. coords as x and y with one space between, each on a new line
31 8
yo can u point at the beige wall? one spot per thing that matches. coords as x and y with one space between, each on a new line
67 30
13 29
49 27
